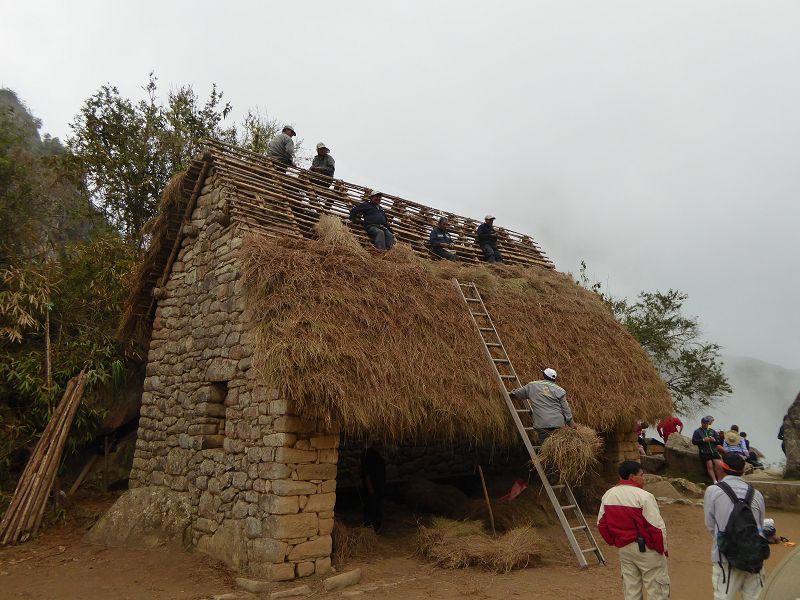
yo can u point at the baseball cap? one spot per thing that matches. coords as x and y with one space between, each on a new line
550 373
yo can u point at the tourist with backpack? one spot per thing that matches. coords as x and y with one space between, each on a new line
734 514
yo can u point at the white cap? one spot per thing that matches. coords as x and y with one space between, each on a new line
550 373
290 128
488 218
322 145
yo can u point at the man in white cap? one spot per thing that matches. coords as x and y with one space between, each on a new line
372 216
281 148
323 165
486 237
548 402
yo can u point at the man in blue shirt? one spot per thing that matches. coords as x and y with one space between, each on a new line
372 216
441 241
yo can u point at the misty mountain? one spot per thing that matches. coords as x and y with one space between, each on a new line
762 393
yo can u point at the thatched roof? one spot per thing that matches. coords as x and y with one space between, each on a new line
383 343
287 205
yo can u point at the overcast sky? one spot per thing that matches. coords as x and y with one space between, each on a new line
657 142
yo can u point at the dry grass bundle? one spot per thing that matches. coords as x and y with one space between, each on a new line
573 452
372 343
335 235
459 544
350 542
528 510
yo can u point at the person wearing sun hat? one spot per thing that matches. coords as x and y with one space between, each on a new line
734 443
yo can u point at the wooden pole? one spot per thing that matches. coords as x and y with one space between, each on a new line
47 364
488 503
84 472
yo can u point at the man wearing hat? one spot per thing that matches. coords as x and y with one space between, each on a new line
718 505
548 402
323 165
372 216
486 237
707 441
281 148
441 241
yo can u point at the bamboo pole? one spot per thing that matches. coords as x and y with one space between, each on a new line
488 502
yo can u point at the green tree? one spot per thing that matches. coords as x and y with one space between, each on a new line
129 150
690 366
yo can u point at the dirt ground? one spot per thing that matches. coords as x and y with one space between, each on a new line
60 565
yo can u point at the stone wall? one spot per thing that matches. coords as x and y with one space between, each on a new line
618 446
260 481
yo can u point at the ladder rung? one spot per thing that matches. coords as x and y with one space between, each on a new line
567 506
592 549
508 376
523 410
493 345
529 428
578 528
471 299
486 329
474 314
558 486
500 360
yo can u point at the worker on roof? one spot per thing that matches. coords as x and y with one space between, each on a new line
372 216
281 147
548 403
441 241
486 238
323 166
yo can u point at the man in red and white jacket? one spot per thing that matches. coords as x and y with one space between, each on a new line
629 519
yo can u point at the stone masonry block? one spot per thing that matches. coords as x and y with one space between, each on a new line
318 548
313 472
320 502
300 525
293 455
266 550
280 439
273 470
290 487
291 424
221 369
325 442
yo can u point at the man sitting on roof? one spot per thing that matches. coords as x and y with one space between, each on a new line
486 237
281 147
548 402
374 220
440 240
323 166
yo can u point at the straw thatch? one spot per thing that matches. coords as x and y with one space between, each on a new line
161 232
459 544
574 453
383 343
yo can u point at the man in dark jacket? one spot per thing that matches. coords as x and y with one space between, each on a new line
441 240
486 237
707 440
323 166
371 215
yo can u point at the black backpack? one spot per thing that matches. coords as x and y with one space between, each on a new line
741 543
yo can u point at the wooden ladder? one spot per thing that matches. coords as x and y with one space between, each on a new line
522 415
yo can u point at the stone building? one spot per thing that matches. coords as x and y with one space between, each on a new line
249 455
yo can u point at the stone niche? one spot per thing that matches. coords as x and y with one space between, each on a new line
260 482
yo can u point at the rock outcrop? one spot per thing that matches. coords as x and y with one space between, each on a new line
146 516
791 440
682 458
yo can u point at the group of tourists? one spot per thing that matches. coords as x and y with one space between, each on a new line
716 446
734 514
370 214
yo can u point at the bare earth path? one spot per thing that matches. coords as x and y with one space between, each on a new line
61 566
